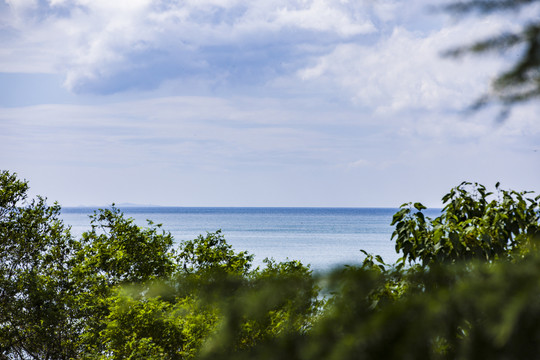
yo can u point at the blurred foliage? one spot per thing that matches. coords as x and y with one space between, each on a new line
467 287
521 81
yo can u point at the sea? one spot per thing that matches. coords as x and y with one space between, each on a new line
323 238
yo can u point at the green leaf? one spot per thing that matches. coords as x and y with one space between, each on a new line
419 206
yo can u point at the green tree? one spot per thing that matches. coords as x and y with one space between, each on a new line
118 251
168 316
212 254
122 291
37 293
114 253
265 315
474 224
208 306
155 324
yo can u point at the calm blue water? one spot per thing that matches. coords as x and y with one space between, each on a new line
322 237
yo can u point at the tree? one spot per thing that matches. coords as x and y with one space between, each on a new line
115 253
521 82
211 254
476 293
474 224
155 324
209 306
36 290
171 316
122 291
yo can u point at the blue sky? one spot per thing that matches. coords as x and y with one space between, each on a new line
253 103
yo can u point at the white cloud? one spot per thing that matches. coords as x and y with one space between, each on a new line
95 41
405 70
325 15
110 46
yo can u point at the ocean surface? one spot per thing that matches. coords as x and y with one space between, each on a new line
321 237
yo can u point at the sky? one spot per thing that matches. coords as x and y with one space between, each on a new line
338 103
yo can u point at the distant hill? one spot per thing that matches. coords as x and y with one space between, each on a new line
135 205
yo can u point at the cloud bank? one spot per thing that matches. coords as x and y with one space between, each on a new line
108 46
370 49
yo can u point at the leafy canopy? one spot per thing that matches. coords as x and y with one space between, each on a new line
474 224
471 289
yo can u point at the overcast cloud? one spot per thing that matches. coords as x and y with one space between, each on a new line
253 103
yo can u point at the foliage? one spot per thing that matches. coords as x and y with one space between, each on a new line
474 224
114 253
521 82
36 250
155 327
124 292
211 253
117 251
454 311
184 317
